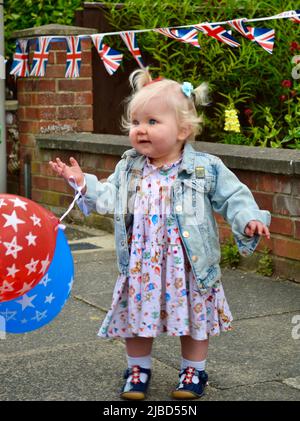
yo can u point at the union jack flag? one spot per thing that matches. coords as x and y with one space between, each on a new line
217 32
20 65
131 43
296 19
293 15
262 36
40 57
189 36
73 57
111 58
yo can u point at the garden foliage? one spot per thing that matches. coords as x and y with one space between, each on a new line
257 84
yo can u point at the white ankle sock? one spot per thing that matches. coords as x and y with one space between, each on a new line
198 365
144 362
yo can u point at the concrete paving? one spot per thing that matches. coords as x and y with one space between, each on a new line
65 360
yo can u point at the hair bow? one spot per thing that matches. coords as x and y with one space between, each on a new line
187 88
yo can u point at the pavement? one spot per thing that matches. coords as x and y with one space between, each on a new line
65 361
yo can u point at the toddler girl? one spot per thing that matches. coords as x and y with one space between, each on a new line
163 194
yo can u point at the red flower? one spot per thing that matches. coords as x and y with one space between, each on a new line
248 112
282 98
294 46
286 83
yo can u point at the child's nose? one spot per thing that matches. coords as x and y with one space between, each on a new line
142 128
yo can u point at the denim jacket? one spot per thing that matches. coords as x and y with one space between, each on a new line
203 185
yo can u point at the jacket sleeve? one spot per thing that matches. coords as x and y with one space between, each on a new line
235 202
100 196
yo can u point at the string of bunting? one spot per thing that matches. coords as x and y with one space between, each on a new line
112 59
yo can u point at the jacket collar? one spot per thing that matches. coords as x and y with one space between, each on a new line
187 163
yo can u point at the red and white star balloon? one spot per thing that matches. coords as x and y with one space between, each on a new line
27 242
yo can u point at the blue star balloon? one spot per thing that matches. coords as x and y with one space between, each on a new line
44 302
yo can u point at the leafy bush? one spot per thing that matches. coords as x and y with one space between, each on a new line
247 77
27 13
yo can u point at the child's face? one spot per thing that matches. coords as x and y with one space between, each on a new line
155 131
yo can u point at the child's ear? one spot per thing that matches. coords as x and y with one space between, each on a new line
184 132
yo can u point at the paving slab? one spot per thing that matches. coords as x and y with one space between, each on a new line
65 360
86 371
257 350
77 322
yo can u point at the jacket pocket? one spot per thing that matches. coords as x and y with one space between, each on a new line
194 191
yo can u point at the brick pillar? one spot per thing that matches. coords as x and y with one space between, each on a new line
53 104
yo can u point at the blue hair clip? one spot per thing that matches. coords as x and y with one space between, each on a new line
187 88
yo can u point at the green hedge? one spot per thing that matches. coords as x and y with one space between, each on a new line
28 13
248 78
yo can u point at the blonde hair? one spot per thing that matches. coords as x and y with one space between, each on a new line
144 89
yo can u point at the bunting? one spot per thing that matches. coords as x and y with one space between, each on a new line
296 19
262 36
73 57
130 40
217 32
110 58
293 15
189 36
40 56
20 65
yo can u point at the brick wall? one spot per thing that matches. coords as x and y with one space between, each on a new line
53 104
278 193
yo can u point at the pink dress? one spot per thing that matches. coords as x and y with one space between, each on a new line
161 294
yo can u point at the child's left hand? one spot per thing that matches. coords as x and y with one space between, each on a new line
256 227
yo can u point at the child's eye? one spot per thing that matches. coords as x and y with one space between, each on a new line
152 121
135 122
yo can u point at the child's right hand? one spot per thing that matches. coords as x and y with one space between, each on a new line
68 172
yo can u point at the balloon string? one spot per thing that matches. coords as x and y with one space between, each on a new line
78 190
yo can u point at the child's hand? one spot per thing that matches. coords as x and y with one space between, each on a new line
256 227
74 171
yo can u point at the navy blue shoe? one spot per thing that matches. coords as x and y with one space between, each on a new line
137 382
191 384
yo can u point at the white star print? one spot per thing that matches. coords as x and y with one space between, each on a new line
49 298
36 220
45 280
8 315
2 203
26 301
31 239
26 287
70 284
45 264
12 248
12 221
12 270
19 203
31 266
6 287
39 315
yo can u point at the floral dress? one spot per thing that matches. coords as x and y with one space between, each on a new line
161 293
